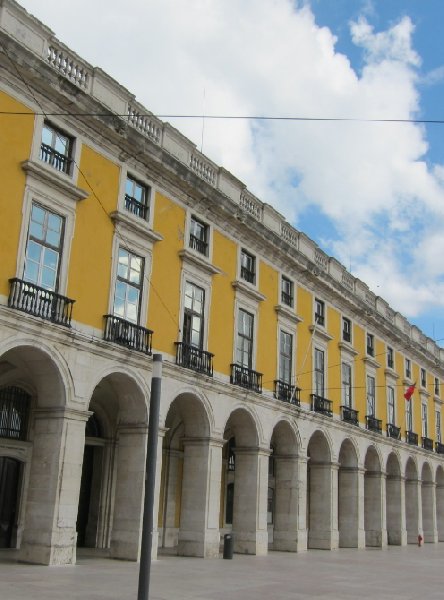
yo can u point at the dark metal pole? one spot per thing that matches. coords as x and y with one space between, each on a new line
150 481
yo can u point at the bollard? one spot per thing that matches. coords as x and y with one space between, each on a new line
228 545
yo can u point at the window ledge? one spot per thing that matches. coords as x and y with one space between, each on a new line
321 333
347 347
199 261
424 392
391 373
247 289
136 225
286 312
369 360
55 178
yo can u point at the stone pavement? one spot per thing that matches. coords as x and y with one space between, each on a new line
394 573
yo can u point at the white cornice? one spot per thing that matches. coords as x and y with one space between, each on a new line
198 261
286 313
136 225
240 286
50 176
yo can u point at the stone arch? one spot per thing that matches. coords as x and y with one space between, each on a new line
428 504
188 492
394 505
411 501
42 372
244 482
284 483
348 496
321 503
439 479
199 397
375 532
113 467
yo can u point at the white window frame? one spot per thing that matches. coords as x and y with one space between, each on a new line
283 331
281 291
144 252
251 307
247 251
318 301
438 425
372 411
347 384
391 396
348 322
409 414
321 348
127 172
424 420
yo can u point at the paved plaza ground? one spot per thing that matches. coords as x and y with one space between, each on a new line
393 573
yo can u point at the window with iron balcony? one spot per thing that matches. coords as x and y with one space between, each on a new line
248 267
199 236
56 148
370 344
319 312
287 292
423 378
137 198
346 329
390 361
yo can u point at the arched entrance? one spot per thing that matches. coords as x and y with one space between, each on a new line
286 522
322 524
190 483
348 497
45 529
245 480
15 406
428 504
109 514
394 507
411 502
440 503
375 533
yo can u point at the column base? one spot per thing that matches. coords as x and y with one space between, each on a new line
50 555
256 544
430 536
286 541
376 538
323 540
397 537
201 546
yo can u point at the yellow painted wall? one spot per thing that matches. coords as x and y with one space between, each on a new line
164 293
334 364
15 146
266 362
221 333
304 349
90 266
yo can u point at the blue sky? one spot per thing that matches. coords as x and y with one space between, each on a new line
370 194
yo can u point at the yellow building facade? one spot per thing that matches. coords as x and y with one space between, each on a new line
283 415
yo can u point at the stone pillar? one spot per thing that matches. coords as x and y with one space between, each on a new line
430 532
157 489
290 531
171 482
199 533
350 507
323 506
374 519
129 492
250 501
395 506
413 516
52 500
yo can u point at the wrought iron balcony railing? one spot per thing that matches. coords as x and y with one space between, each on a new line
287 392
194 358
248 275
373 424
321 405
37 301
411 438
199 245
136 208
247 378
439 448
60 162
393 431
427 443
350 415
127 334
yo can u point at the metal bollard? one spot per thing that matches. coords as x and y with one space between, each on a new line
228 545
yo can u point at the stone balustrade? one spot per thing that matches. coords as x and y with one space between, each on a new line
17 24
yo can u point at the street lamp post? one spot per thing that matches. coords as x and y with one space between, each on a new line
150 481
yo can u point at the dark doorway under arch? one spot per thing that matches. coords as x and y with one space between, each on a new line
10 469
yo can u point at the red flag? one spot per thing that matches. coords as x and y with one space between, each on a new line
409 392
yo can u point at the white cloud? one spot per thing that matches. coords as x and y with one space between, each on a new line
269 57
